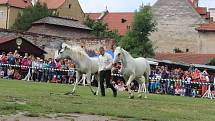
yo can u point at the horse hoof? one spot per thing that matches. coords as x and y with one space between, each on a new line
131 97
139 96
145 97
69 93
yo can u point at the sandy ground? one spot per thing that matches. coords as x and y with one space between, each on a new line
56 117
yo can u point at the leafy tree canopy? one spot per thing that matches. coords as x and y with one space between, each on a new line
31 14
136 40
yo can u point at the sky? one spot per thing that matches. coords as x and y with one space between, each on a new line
125 5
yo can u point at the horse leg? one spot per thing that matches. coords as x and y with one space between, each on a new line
84 79
75 83
144 88
131 78
88 78
98 89
140 88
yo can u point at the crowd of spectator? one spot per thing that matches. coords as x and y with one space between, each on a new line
191 82
40 70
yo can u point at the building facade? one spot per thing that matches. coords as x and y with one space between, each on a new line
212 13
9 10
64 8
183 25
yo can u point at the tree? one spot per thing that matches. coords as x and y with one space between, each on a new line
212 62
136 40
99 29
177 50
31 14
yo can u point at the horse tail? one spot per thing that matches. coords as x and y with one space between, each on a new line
147 73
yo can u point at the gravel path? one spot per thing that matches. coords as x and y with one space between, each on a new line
56 117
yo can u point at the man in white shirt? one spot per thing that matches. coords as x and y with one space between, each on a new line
105 65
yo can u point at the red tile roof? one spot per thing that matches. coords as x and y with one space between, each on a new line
52 4
17 3
188 58
210 26
207 27
94 16
119 21
5 39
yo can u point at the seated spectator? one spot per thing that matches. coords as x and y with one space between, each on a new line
1 73
178 90
120 86
17 75
10 73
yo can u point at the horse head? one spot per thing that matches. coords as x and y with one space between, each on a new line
117 54
63 52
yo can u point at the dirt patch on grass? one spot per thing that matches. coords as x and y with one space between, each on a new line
56 117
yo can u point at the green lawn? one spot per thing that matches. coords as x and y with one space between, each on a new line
49 98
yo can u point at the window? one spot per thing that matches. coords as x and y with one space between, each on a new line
1 14
123 20
69 5
128 27
25 1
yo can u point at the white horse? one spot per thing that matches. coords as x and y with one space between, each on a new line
133 69
85 64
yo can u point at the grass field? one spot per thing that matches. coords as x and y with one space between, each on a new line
48 98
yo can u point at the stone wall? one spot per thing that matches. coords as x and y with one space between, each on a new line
177 21
207 43
52 43
60 31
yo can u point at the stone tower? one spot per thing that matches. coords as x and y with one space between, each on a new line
177 21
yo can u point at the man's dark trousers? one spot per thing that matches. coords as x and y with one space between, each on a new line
105 76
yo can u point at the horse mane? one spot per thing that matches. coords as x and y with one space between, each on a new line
124 51
77 52
127 53
79 49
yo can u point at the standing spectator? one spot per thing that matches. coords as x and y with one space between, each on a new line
45 71
40 70
11 59
3 60
164 82
105 64
196 78
204 79
51 65
25 65
188 80
28 76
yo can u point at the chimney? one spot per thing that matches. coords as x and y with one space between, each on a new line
103 14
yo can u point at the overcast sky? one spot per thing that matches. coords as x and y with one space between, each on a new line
125 5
